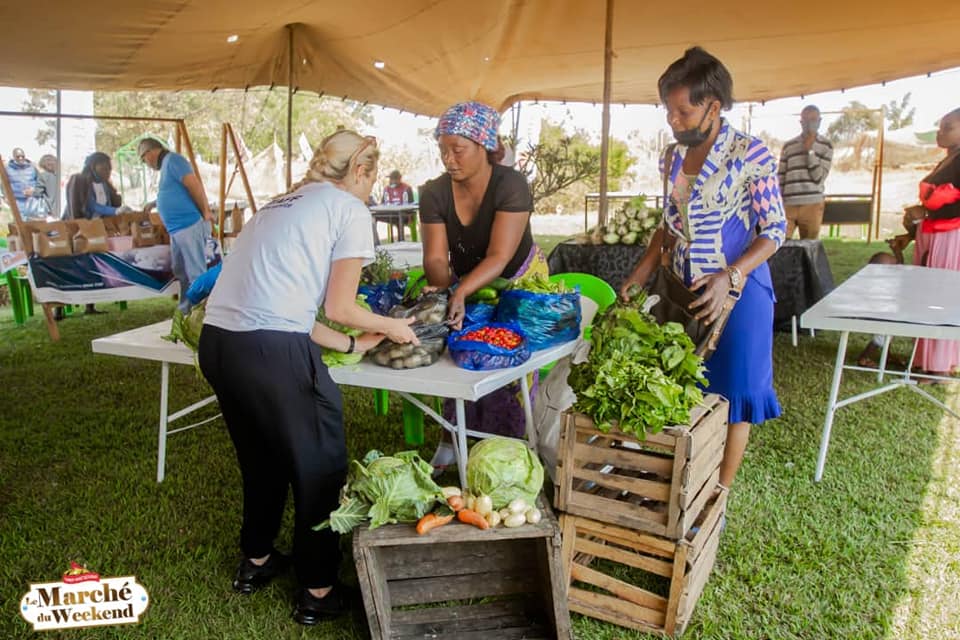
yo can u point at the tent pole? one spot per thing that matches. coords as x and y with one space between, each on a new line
59 169
290 107
880 145
605 126
243 172
221 214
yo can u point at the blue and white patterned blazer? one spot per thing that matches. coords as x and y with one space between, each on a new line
736 193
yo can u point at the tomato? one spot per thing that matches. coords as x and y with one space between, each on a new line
496 336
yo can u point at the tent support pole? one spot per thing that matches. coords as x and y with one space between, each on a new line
243 172
59 173
221 213
290 106
605 127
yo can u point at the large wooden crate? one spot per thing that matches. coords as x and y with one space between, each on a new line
659 485
462 582
664 578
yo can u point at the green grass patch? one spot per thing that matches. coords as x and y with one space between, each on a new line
78 439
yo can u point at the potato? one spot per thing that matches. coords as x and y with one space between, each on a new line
396 363
412 362
382 358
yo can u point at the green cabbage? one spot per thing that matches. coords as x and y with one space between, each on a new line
385 489
333 358
504 469
186 328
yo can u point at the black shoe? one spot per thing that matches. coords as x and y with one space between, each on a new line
58 314
92 311
309 610
251 577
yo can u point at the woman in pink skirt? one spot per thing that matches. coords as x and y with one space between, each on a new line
938 236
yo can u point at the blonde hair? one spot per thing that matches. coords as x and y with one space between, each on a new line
337 154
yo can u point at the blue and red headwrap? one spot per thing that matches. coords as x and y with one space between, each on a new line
472 120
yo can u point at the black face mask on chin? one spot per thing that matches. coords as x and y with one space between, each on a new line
694 137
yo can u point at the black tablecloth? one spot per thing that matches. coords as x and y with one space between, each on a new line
800 270
611 262
801 277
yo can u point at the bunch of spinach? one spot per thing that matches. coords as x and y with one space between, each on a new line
639 376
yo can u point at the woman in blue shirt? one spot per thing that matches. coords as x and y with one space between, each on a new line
724 219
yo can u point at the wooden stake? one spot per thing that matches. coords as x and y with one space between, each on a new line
605 121
221 213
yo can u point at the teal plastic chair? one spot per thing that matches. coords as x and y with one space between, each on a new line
591 287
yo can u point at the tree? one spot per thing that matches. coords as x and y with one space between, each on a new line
560 160
259 116
854 127
897 114
42 101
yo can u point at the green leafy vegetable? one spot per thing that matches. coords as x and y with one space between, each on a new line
384 489
639 376
504 469
538 284
186 328
331 357
381 270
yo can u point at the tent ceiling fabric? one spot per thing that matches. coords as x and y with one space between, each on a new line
438 52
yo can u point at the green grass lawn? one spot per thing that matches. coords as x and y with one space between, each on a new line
871 552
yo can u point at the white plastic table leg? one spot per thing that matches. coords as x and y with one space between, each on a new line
831 405
793 329
528 412
162 432
461 448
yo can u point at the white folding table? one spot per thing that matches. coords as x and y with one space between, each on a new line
893 301
442 379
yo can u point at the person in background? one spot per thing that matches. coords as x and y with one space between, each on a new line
90 193
26 188
804 165
938 237
397 191
476 228
49 183
182 205
260 349
723 219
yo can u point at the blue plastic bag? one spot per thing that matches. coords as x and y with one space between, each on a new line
480 356
546 319
383 297
479 313
203 285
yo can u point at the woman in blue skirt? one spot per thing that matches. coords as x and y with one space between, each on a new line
724 216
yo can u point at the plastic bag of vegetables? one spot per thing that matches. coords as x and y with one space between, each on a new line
430 311
381 284
547 312
488 346
504 469
479 313
186 328
385 490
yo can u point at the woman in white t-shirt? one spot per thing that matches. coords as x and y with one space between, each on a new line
260 351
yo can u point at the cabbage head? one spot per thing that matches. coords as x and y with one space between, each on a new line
504 469
385 489
333 358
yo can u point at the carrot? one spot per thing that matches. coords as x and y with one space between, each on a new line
431 521
456 503
468 516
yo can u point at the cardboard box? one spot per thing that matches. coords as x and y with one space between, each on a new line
116 226
119 244
50 239
89 236
159 229
143 233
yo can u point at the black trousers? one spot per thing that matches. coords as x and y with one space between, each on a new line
285 417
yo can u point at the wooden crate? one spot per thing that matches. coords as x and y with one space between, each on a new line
678 570
658 485
516 572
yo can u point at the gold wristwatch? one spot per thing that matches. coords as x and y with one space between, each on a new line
736 282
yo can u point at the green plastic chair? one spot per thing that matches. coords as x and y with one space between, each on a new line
592 287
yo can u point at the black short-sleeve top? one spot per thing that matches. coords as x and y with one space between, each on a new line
507 191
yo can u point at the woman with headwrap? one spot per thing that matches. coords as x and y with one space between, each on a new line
90 194
476 228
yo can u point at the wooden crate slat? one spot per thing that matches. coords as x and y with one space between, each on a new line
458 532
516 633
610 609
427 590
413 561
674 512
676 588
648 488
640 541
628 558
619 588
500 616
552 573
376 599
621 459
701 469
429 615
600 508
699 502
696 579
710 426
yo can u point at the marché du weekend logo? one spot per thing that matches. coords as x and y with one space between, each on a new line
84 599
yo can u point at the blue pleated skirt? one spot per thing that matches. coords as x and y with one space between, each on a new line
741 369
